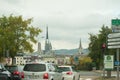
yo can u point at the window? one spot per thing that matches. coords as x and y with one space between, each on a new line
35 67
64 68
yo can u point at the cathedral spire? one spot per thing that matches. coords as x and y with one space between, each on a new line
47 32
48 46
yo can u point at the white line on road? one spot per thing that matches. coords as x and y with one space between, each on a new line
85 79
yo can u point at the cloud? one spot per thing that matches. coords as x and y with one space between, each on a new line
68 20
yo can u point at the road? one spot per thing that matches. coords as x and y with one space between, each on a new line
89 75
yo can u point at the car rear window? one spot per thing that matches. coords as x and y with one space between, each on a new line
35 67
64 68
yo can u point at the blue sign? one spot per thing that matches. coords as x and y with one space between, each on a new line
117 63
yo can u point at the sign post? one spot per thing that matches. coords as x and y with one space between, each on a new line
117 65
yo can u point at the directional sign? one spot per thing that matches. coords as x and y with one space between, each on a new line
113 35
114 43
113 40
116 22
114 47
115 25
116 39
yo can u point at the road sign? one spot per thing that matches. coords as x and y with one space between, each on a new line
113 40
117 63
114 43
114 35
115 25
116 39
116 22
114 47
108 61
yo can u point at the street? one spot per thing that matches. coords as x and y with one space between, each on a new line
89 75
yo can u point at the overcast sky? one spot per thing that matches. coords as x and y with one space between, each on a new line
68 21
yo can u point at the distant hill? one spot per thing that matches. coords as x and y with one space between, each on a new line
70 51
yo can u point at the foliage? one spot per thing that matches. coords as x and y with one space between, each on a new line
17 35
85 63
95 46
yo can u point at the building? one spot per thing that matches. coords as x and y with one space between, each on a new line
48 45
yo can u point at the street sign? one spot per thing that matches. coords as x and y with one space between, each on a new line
115 25
116 39
114 35
108 62
117 63
114 47
114 43
116 22
113 40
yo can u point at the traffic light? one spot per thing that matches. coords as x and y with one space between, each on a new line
103 46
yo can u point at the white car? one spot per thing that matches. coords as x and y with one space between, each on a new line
41 71
69 73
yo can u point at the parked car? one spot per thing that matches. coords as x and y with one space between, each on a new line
69 73
4 73
16 71
41 71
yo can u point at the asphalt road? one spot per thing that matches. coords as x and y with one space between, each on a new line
89 75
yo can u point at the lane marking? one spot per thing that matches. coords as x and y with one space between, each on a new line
85 79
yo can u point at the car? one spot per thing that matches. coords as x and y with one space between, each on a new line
4 73
69 73
42 71
16 71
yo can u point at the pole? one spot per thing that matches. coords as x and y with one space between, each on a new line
118 64
103 66
103 49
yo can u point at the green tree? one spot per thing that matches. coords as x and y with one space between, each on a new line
96 43
17 35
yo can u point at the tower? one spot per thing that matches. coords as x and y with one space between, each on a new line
39 47
80 48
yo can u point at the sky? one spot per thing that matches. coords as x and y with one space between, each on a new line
68 21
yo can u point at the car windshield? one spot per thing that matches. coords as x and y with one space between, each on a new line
64 68
35 67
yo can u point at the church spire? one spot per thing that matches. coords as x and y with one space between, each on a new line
80 47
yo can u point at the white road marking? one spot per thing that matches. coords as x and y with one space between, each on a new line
85 79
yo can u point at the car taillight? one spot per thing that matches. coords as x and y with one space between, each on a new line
16 72
22 75
45 76
69 73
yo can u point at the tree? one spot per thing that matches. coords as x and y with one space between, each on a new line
96 43
85 63
17 35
